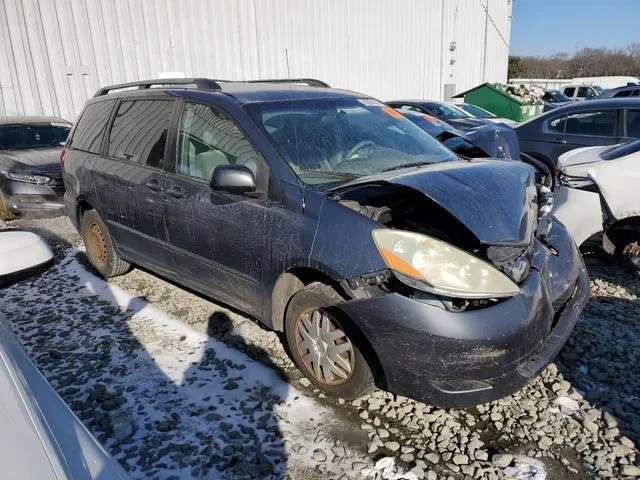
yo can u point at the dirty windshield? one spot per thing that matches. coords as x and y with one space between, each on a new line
334 140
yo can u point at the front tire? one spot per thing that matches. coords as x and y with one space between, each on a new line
99 245
320 346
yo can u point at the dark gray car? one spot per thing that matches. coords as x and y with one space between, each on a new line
621 92
580 124
332 218
30 174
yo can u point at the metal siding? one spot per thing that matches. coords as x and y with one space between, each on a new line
56 53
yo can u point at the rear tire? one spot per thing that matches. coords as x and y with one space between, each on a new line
99 245
321 348
5 213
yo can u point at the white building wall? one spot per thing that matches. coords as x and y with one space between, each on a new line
56 53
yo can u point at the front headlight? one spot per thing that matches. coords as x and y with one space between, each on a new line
19 177
441 268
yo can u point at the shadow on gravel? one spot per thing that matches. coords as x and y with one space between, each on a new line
164 404
600 358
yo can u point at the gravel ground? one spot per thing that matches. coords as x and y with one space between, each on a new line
579 419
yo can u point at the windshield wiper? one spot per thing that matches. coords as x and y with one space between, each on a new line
328 173
407 165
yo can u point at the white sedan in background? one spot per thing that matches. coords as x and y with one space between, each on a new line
599 193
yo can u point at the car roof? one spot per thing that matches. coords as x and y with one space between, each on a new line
30 120
242 92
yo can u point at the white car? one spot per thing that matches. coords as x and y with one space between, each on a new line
597 193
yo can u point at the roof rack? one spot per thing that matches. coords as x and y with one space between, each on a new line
199 83
312 82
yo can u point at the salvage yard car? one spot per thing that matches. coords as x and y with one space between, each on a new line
328 215
580 124
598 197
30 176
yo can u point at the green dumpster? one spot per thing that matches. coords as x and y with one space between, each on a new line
500 103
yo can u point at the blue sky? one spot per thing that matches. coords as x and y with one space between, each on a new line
544 27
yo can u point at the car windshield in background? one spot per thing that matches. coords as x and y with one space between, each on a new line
618 151
448 113
333 140
476 111
598 89
556 95
21 137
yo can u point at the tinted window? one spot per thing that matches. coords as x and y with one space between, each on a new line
569 91
139 131
632 123
635 93
409 108
91 127
618 151
19 137
556 125
583 92
623 93
209 138
592 123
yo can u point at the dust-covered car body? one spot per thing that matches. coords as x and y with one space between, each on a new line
326 188
488 141
30 174
598 194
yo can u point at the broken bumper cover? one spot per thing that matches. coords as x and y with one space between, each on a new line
24 197
460 359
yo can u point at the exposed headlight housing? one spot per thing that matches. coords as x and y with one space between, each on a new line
576 182
19 177
439 267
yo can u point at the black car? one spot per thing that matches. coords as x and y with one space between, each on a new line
329 216
553 99
621 92
488 141
579 124
442 111
30 174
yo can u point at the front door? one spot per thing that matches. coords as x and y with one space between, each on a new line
218 238
584 129
130 181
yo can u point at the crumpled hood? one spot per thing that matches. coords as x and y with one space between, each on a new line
494 199
32 161
580 156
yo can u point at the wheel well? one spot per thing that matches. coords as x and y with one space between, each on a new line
294 280
82 207
550 165
624 231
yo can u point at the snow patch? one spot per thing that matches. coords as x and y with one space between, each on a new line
526 468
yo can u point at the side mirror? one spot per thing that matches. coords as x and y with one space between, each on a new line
232 179
23 254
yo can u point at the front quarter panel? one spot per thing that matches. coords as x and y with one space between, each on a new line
343 246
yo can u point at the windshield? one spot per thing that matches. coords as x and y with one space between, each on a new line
598 88
476 111
446 112
20 137
334 140
618 151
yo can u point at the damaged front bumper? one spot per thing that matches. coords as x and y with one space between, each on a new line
459 359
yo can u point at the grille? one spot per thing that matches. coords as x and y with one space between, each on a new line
561 301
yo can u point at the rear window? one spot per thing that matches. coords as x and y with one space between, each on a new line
623 93
569 91
91 127
601 124
623 150
27 136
